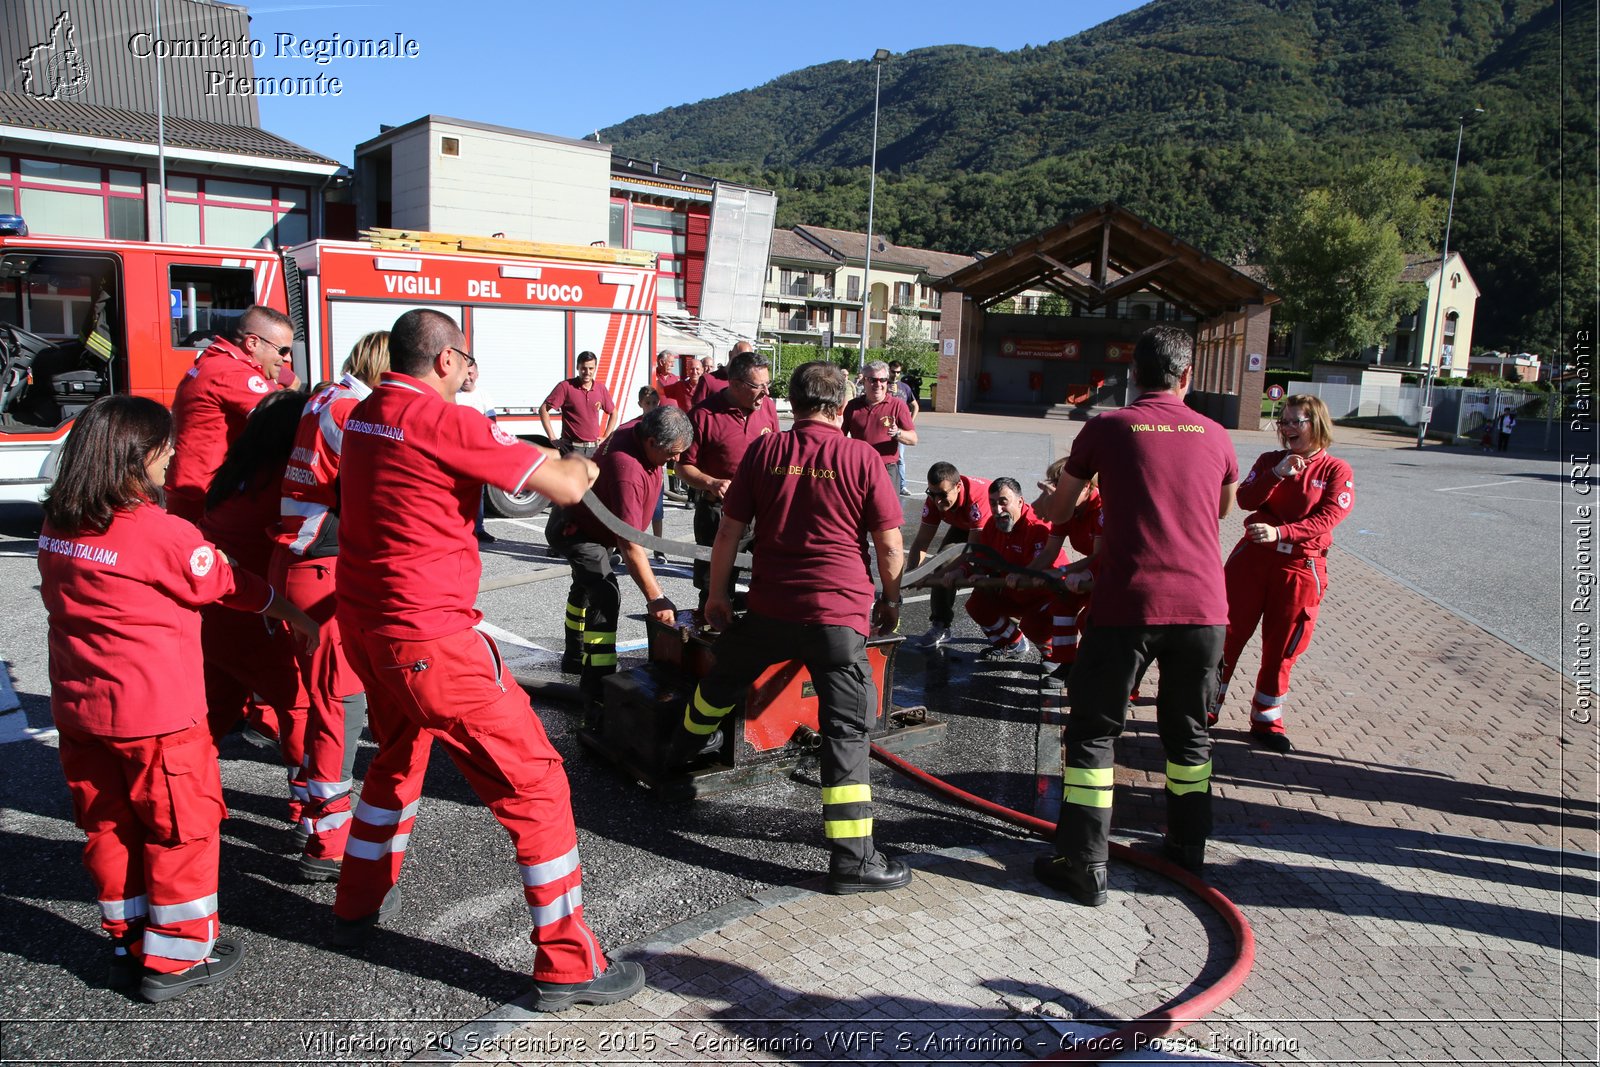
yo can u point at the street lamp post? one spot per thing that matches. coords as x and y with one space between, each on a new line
872 194
1435 339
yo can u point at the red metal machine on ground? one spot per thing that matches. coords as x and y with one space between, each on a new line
772 729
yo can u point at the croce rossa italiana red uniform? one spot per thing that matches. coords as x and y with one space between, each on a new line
1281 585
130 707
213 401
412 468
304 569
1005 615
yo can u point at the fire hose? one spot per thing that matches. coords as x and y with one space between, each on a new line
1131 1035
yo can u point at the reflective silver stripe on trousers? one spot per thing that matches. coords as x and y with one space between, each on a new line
299 792
177 948
1267 700
324 790
165 914
537 874
374 816
376 850
326 823
132 908
559 908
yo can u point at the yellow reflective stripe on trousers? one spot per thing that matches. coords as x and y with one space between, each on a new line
1088 798
837 828
574 616
1094 777
1177 772
1183 780
700 709
859 793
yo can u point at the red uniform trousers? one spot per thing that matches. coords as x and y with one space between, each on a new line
1282 592
1042 616
456 689
327 681
151 807
249 657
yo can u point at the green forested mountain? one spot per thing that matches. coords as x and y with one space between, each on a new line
1207 116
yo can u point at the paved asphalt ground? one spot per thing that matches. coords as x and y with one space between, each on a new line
1476 534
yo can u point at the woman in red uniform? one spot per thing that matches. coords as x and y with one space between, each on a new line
121 581
1278 572
305 528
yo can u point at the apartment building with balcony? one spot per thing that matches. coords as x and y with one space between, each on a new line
817 287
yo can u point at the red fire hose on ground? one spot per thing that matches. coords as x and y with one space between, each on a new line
1138 1033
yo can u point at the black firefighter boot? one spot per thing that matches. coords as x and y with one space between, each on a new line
1188 827
1083 882
851 874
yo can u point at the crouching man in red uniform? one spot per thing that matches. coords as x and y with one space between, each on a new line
1010 616
814 496
412 467
122 581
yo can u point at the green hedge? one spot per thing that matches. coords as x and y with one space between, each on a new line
920 368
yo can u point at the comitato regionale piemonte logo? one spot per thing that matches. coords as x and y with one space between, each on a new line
53 69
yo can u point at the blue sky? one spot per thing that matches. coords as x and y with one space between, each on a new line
568 68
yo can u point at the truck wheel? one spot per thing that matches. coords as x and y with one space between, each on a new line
523 505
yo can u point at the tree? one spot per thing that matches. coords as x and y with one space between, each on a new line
1338 272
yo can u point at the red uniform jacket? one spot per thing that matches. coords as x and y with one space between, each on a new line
412 469
124 629
1088 521
969 512
308 515
1022 543
1305 508
213 401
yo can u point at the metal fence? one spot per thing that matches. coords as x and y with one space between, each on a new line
1458 411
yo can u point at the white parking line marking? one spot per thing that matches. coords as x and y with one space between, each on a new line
1484 485
517 522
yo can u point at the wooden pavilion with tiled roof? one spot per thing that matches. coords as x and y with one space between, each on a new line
1118 275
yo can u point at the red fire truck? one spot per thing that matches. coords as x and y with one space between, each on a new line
80 318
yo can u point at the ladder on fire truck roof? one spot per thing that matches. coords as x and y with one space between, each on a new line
426 241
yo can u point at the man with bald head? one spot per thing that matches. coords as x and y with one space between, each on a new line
714 381
412 466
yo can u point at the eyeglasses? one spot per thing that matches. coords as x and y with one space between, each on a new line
877 381
463 353
283 350
753 387
1289 423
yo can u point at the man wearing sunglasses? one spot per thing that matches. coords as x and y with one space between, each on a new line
725 425
217 395
880 418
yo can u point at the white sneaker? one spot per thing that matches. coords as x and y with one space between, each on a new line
1011 653
936 637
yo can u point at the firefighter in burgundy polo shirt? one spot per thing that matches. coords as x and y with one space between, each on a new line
815 496
879 418
411 470
1167 475
629 484
588 414
962 502
725 426
714 381
217 394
